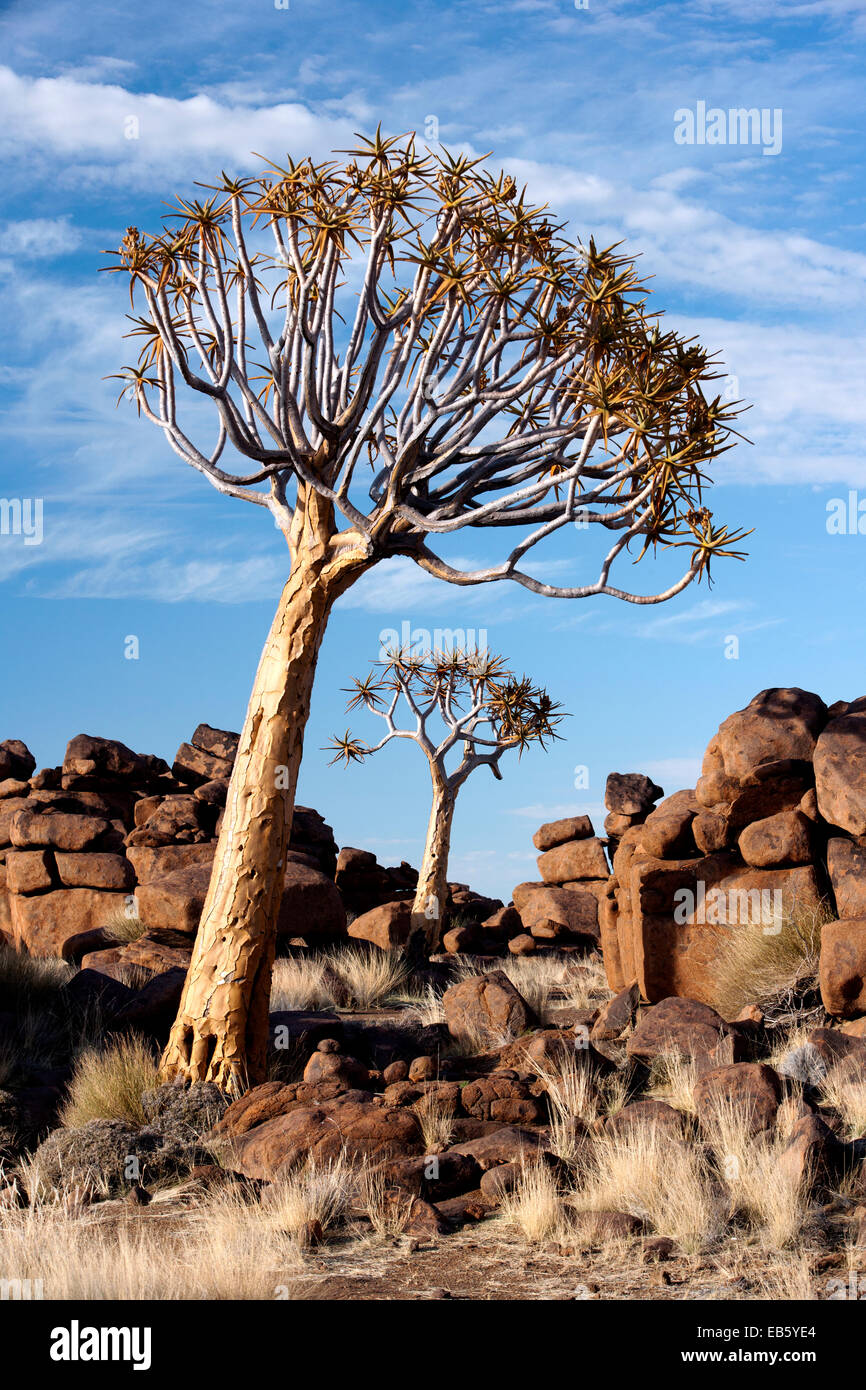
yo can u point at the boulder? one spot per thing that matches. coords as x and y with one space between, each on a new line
28 870
560 832
680 1027
846 866
617 1014
778 724
175 819
780 839
524 943
386 926
502 1145
645 1114
311 906
220 742
667 831
630 793
486 1010
91 761
843 967
111 872
16 760
151 862
351 1123
48 925
194 766
578 912
175 902
840 772
56 830
504 1098
752 1089
434 1177
813 1154
575 860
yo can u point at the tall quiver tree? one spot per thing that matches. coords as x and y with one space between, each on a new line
486 371
483 711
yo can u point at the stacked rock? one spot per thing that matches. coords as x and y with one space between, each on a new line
775 828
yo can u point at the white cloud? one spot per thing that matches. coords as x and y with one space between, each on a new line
106 132
38 238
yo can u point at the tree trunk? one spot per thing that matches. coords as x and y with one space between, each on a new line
431 895
221 1030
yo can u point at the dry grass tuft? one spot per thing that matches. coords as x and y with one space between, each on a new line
436 1119
672 1079
109 1085
844 1090
301 982
664 1182
771 968
535 1206
761 1190
123 927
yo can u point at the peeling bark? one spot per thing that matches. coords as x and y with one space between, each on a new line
221 1030
431 894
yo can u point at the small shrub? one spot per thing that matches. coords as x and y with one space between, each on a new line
109 1085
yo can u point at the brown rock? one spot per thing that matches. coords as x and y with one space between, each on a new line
311 905
502 1098
843 967
505 1145
575 860
524 944
712 832
28 871
56 830
16 760
195 766
347 1124
175 819
630 793
152 862
645 1114
327 1065
846 865
667 831
750 1088
812 1155
175 902
46 925
486 1009
10 786
459 939
386 926
682 1027
220 742
780 839
578 912
90 761
109 871
840 772
617 1014
778 724
504 923
559 832
615 824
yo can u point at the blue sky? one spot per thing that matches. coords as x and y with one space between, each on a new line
759 254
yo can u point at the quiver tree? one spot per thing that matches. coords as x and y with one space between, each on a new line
394 347
483 710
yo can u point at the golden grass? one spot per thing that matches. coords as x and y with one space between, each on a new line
123 927
770 968
301 982
845 1091
672 1079
109 1085
30 980
436 1120
534 1206
760 1188
356 976
656 1178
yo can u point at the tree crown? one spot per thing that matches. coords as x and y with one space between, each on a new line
413 314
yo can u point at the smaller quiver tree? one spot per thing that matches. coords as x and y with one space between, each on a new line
464 710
